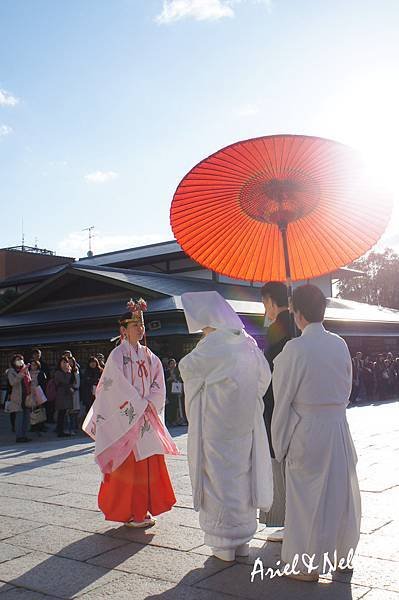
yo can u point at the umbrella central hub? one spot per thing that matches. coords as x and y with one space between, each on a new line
279 200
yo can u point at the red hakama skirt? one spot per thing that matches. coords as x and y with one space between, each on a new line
135 488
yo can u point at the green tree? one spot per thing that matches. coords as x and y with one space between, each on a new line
380 282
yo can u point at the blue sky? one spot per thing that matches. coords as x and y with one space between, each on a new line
106 104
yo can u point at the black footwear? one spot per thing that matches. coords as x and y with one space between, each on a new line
63 435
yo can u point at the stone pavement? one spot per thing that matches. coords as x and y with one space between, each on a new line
54 543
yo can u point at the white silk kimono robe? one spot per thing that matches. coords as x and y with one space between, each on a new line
225 378
312 381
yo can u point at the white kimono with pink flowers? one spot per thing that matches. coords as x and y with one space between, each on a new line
127 414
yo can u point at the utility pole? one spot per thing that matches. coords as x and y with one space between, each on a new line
90 230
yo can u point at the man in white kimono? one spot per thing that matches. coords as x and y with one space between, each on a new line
312 382
225 378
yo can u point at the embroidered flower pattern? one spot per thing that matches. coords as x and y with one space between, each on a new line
126 360
145 427
155 384
130 413
127 409
99 418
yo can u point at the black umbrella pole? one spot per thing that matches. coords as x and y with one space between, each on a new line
288 282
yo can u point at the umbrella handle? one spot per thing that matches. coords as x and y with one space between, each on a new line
288 282
283 230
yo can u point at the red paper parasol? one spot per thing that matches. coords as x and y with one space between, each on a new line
278 208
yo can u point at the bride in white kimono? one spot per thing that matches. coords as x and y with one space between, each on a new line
312 381
225 378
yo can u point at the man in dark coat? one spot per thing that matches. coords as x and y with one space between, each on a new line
37 355
275 300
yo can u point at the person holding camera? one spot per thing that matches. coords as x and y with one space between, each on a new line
20 382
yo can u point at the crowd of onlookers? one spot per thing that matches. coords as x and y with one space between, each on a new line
375 377
39 399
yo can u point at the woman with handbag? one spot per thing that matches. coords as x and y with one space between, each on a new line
38 415
174 392
73 414
64 380
20 381
6 390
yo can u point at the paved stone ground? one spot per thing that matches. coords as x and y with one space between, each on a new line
54 543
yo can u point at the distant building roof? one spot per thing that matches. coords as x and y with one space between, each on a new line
172 285
32 276
142 252
140 255
348 271
339 309
160 250
164 295
31 249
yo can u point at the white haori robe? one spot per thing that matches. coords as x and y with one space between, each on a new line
225 378
127 414
312 381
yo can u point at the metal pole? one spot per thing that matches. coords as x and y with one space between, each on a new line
283 229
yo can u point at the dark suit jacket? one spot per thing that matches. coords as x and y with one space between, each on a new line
278 335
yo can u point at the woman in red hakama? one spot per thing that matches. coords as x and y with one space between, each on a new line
136 489
126 422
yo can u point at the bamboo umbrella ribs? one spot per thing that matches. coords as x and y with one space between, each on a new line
283 207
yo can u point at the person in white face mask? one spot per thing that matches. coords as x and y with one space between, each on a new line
225 378
20 382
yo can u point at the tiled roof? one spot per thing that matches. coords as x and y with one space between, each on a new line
171 284
150 251
245 300
32 276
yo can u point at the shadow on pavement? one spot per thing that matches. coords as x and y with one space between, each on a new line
38 462
234 581
66 574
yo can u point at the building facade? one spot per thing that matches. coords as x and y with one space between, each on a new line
76 305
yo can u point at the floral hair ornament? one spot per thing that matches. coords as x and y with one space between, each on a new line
136 305
136 308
